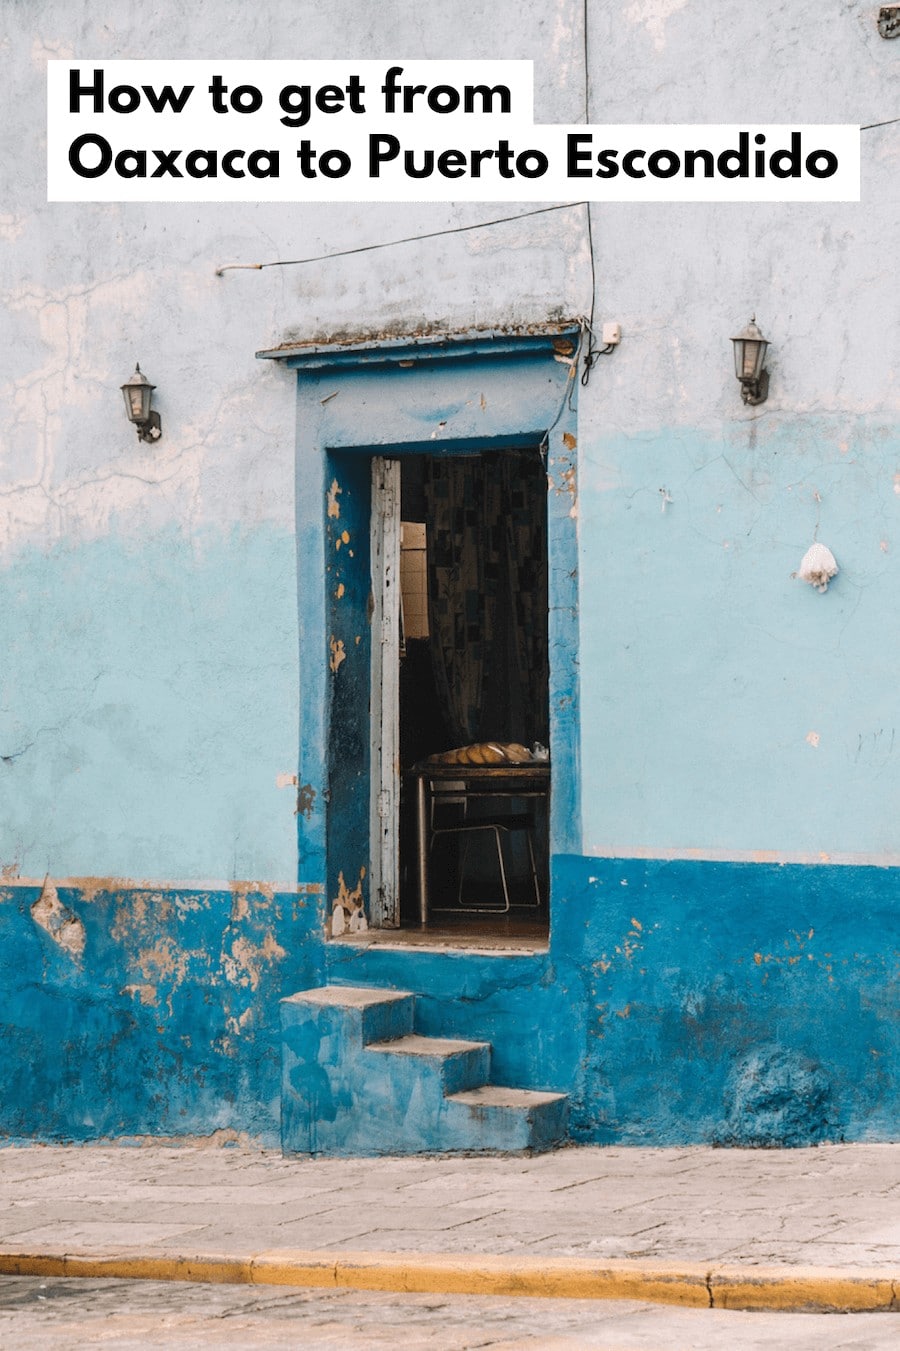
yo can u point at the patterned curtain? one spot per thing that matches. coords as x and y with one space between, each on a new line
488 594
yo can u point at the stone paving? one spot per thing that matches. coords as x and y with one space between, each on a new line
67 1315
835 1206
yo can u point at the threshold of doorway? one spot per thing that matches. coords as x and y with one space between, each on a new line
487 937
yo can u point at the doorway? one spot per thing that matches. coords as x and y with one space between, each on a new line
459 658
447 396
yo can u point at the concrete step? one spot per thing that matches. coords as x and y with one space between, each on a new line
377 1015
455 1065
510 1119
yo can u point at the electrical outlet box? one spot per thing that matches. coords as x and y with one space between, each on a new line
612 335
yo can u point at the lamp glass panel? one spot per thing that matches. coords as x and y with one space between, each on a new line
748 358
137 402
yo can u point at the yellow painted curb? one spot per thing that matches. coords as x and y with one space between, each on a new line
799 1289
209 1270
130 1266
786 1289
554 1278
476 1274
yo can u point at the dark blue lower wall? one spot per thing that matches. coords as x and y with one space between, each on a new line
148 1012
678 1002
687 1001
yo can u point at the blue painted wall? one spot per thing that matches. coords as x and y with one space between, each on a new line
712 666
149 688
165 614
148 1012
678 1002
685 1001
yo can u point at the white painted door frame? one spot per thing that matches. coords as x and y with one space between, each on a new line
384 813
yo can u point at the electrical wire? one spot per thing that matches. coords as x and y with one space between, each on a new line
889 123
591 352
544 447
392 243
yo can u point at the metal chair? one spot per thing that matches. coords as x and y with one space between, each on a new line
451 793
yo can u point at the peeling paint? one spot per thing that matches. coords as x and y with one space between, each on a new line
186 905
92 887
347 907
338 653
163 959
245 962
306 798
237 1025
167 1016
61 923
334 506
147 994
240 907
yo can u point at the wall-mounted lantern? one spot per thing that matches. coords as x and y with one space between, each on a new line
889 21
137 392
749 356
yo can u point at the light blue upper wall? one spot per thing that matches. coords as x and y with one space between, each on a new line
707 667
730 710
736 709
150 689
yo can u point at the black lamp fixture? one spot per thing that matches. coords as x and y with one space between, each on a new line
749 356
137 392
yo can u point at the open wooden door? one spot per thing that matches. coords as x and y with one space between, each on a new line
384 831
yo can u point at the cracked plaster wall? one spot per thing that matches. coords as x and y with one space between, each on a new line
149 690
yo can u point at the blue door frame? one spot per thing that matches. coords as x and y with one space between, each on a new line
466 393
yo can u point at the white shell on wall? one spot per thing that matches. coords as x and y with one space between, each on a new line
817 567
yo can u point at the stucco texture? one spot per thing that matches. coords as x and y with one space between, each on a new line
732 783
